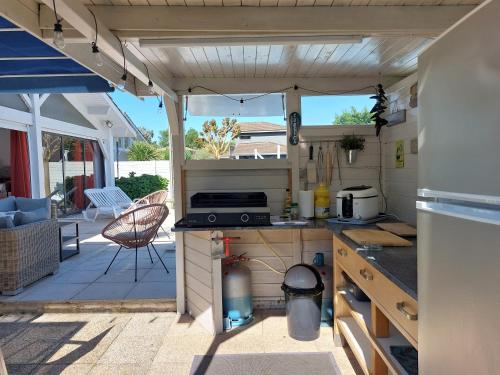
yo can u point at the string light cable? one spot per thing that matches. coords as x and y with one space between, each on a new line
95 50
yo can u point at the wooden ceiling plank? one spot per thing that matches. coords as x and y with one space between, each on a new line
353 60
261 60
309 59
214 61
190 61
287 3
328 68
294 65
226 60
174 59
201 59
273 61
323 56
238 61
249 57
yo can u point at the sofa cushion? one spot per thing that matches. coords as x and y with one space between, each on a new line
6 222
28 217
28 204
8 204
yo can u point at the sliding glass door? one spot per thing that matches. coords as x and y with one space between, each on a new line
70 167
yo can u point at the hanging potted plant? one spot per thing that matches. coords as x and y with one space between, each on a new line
351 144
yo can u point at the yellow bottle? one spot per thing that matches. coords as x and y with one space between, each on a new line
322 202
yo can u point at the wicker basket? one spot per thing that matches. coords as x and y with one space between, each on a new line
27 253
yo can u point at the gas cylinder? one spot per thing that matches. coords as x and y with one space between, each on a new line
236 293
326 273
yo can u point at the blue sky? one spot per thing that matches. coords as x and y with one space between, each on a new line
316 110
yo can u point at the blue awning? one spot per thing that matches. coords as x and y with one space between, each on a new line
28 65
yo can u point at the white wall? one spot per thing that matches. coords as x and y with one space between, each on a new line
153 167
400 184
365 171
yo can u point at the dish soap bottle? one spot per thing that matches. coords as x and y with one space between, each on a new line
322 202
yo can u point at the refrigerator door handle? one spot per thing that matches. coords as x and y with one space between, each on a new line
481 215
459 197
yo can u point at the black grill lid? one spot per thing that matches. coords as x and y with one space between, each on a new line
229 199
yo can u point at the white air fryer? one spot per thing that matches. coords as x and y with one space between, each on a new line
358 203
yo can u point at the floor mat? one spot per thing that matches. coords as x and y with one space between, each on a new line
265 364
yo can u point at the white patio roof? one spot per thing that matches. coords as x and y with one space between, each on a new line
264 43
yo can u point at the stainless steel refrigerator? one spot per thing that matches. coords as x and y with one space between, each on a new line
458 204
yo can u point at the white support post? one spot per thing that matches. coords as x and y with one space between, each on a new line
35 149
109 162
293 105
176 134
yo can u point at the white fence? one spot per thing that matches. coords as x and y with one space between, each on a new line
153 167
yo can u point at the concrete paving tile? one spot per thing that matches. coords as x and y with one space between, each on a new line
183 348
25 351
77 276
46 290
13 369
152 290
132 349
170 368
79 369
121 276
52 331
11 331
185 325
236 344
119 369
105 291
159 275
18 318
148 324
285 344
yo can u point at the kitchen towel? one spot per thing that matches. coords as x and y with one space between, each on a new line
306 204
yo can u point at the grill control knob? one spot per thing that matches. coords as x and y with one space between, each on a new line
244 218
211 218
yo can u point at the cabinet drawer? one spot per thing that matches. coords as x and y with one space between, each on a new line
398 306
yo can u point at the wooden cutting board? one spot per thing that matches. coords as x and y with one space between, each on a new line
400 229
375 237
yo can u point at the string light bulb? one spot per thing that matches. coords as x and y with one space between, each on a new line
241 103
97 55
123 82
151 87
58 37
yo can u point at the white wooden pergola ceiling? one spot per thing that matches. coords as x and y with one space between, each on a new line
392 33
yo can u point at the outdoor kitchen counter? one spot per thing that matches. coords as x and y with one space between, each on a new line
398 264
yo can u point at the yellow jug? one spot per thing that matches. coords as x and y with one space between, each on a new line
322 202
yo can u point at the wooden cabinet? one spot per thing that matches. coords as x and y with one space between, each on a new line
371 328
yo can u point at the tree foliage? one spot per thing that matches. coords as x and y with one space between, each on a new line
164 138
353 117
192 139
143 151
148 134
217 139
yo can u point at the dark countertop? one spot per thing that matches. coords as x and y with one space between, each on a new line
398 264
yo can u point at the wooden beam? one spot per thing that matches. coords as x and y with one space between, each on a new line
260 85
172 116
76 14
383 20
21 15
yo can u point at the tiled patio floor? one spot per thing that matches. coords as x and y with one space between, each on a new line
141 343
81 277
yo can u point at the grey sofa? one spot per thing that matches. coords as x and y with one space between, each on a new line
28 251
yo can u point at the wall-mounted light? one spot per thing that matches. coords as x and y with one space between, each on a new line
58 30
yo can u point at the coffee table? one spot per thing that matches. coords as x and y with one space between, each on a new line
64 239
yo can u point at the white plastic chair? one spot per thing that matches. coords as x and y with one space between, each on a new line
104 202
119 196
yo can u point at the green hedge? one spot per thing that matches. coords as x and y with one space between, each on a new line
139 186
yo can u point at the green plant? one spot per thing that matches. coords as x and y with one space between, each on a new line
139 186
352 142
354 117
143 151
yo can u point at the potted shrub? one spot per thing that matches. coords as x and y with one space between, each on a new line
351 144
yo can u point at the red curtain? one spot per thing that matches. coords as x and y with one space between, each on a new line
19 165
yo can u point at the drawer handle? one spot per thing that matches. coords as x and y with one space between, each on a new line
367 275
401 306
342 252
